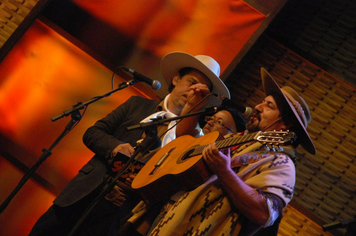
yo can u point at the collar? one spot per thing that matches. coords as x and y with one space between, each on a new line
163 106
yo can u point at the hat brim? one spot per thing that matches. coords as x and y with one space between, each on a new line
270 86
175 61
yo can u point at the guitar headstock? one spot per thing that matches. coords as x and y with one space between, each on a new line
276 137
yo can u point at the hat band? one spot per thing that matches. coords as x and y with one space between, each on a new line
298 107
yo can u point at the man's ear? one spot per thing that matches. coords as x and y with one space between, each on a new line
175 80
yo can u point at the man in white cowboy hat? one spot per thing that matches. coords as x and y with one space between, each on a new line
251 184
191 79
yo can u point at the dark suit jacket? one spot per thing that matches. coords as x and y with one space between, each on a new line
102 138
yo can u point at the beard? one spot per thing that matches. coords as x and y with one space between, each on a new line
252 127
253 124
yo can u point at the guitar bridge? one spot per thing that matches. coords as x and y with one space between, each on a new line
161 160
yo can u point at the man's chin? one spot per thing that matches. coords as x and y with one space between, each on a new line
205 131
252 127
181 104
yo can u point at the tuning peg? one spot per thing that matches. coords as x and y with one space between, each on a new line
267 149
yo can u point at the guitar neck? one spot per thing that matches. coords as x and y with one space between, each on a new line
226 143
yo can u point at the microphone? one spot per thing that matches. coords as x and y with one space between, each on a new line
155 84
340 224
246 112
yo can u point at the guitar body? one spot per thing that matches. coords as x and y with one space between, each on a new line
173 169
179 165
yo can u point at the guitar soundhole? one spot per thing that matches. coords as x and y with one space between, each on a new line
186 155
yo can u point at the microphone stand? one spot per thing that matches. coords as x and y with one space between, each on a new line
75 118
159 121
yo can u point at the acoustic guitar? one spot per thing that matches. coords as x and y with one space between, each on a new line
179 164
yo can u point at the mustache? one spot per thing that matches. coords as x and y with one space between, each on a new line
257 115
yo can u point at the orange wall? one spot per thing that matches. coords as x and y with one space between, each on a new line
26 207
216 28
220 28
41 77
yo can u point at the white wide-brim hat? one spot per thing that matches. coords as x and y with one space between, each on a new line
173 62
296 104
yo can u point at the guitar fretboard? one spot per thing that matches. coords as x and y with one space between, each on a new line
267 137
229 142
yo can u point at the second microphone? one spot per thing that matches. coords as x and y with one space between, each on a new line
155 84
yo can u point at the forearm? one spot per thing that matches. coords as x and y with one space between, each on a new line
248 200
188 125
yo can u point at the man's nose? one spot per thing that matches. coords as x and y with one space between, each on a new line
211 122
259 107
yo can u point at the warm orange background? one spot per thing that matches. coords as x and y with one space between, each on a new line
45 74
217 28
41 77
